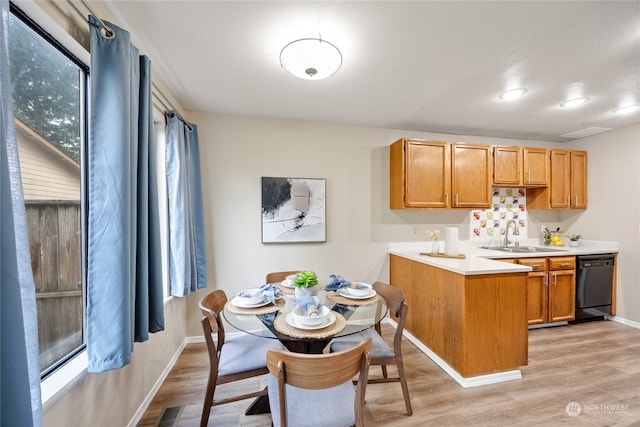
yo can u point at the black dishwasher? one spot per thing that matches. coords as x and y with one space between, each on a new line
594 282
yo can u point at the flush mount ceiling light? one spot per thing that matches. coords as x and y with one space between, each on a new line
574 102
311 58
626 109
513 93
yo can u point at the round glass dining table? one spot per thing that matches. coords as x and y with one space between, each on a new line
358 315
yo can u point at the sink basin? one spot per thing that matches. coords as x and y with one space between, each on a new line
523 249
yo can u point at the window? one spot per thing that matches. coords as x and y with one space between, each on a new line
49 85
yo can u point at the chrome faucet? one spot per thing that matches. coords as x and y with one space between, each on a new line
516 232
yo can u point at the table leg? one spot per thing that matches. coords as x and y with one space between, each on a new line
309 347
259 406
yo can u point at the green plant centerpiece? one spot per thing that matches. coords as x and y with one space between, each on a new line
305 279
305 282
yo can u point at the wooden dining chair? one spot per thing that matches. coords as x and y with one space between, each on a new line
381 353
279 276
230 359
316 390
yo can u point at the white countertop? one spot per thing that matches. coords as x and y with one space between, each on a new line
477 260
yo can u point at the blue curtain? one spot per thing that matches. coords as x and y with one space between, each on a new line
20 400
124 280
187 255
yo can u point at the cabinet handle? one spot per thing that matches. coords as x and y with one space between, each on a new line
576 201
568 200
546 281
528 176
456 200
446 199
554 279
565 264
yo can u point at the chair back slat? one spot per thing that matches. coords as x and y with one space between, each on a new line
394 297
321 371
279 276
313 371
211 305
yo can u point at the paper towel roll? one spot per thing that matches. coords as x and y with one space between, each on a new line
451 241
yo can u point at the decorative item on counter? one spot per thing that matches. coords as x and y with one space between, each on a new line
434 235
552 237
451 241
573 239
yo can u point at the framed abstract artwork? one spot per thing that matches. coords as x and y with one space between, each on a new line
293 210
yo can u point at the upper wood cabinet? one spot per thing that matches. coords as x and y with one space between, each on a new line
568 183
471 176
520 166
578 186
507 165
420 174
535 166
439 175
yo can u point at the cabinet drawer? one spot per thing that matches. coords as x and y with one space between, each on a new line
537 264
562 263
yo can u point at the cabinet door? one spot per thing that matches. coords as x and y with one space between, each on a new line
535 166
507 165
560 179
562 295
427 174
471 176
419 174
537 297
578 161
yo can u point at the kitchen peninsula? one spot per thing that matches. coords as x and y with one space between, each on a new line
469 315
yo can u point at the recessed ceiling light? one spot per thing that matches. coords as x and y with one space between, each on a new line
513 93
574 102
626 109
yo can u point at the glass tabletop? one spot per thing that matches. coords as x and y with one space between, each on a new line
359 315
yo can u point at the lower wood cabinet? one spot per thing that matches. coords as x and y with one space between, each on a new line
551 288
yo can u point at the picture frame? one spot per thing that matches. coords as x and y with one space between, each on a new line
293 210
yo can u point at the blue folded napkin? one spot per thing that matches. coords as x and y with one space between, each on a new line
269 292
308 302
336 283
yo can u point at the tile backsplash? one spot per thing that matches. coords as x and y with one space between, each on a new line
489 225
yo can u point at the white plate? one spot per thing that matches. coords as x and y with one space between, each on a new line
238 303
331 318
345 293
287 283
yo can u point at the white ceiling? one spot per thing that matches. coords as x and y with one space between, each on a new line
435 66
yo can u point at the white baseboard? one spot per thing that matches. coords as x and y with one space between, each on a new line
465 382
152 393
625 322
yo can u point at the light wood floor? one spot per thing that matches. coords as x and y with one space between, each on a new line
595 364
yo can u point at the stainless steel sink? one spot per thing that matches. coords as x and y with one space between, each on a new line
523 249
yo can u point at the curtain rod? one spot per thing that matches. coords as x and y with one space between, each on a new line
107 32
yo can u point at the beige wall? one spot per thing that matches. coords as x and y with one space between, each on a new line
614 207
236 151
